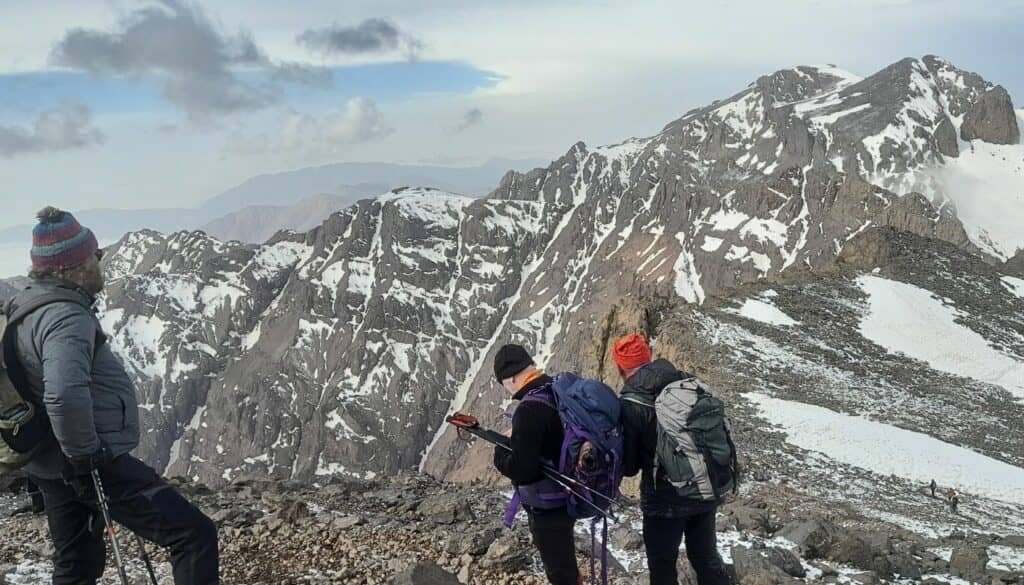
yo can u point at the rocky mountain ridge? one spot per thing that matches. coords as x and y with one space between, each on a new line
339 350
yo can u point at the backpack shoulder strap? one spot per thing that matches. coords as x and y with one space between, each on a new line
17 313
637 398
543 395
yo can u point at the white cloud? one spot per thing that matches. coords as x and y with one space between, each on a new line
572 70
66 126
357 121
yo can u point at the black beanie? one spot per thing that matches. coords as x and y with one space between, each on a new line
510 360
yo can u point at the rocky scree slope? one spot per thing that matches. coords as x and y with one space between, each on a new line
408 530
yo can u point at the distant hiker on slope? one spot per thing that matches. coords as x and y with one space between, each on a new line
684 476
537 437
71 372
954 500
933 487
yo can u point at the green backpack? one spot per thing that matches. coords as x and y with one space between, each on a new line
694 449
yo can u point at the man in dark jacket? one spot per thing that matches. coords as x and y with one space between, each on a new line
536 438
668 516
90 402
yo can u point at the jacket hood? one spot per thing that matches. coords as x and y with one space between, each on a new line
49 285
651 378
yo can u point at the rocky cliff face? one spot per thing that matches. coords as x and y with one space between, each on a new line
339 350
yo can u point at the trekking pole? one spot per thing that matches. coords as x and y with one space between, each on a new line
101 497
145 559
470 424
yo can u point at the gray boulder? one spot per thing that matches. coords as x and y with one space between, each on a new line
754 567
474 542
1014 540
867 550
969 562
624 537
786 560
507 553
815 537
445 509
425 573
746 519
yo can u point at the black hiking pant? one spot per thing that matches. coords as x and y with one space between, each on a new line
552 532
662 537
141 502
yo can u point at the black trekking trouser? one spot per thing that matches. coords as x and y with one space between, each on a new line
141 502
552 532
662 537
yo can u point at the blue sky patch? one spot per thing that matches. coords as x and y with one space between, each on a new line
24 94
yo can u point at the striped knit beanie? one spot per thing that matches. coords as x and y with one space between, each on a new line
59 242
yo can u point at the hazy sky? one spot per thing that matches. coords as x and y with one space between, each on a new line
164 103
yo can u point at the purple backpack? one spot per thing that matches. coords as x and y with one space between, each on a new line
591 454
590 464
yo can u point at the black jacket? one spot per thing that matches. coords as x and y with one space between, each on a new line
640 431
536 434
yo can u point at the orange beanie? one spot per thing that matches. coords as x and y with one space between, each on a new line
631 352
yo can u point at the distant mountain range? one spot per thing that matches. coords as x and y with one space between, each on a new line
346 182
257 223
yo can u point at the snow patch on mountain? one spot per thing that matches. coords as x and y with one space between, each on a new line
271 259
687 284
762 310
1014 285
845 77
432 208
889 450
986 184
1006 558
906 319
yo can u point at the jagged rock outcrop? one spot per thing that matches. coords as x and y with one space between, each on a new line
992 119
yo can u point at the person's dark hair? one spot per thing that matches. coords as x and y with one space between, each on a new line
50 273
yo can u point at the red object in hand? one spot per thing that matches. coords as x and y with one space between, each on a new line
464 421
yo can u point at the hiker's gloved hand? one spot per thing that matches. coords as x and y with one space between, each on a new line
83 466
77 470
